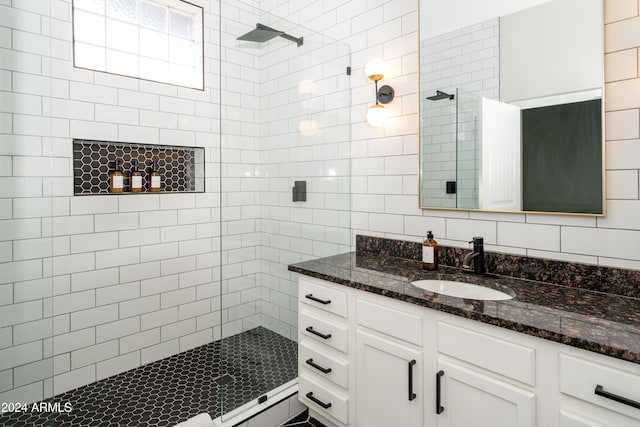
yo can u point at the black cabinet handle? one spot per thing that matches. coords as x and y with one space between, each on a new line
321 335
412 395
318 367
318 401
600 392
321 301
439 407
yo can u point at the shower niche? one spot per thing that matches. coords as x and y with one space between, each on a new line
181 168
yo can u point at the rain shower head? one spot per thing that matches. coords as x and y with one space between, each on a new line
262 33
440 95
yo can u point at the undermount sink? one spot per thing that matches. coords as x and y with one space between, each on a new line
462 290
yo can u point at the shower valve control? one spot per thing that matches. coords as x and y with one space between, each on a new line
300 191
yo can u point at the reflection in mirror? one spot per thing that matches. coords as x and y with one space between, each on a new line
511 105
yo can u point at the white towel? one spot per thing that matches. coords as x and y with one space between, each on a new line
201 420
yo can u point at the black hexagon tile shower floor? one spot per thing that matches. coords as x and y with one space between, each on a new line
303 420
169 391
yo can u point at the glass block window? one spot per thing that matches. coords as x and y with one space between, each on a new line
159 40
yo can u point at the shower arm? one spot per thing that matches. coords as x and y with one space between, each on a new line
299 41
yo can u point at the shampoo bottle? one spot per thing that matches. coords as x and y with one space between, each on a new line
135 179
155 180
116 178
429 253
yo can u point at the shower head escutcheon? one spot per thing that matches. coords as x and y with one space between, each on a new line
262 33
440 95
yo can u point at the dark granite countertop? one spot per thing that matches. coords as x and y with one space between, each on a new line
596 321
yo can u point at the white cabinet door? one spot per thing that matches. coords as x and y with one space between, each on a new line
470 398
389 383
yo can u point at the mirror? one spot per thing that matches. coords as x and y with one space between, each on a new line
511 113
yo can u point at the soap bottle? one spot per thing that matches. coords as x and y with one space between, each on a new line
135 178
155 180
429 253
116 178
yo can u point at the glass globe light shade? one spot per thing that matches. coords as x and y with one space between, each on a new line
377 115
375 69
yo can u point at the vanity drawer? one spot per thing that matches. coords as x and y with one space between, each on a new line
497 355
569 419
323 399
323 331
582 378
319 363
398 324
323 297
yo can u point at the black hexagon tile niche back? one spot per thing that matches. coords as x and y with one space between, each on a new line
173 389
181 168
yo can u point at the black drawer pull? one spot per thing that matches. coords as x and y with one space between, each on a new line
321 301
318 401
600 392
321 335
412 395
439 407
318 367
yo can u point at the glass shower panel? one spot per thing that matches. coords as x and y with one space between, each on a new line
439 152
468 107
285 121
28 166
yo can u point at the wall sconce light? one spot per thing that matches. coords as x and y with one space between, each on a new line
377 115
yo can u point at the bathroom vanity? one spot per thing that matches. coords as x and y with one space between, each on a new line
374 350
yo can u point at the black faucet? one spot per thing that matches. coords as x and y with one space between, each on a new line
477 256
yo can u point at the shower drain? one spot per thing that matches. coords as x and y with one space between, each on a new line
224 379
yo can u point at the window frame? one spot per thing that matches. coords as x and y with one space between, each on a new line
169 5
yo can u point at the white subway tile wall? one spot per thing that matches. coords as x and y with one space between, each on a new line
100 274
111 300
610 241
290 124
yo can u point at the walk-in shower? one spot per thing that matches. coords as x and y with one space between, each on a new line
147 309
262 33
276 131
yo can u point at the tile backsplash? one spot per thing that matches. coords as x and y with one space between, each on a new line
584 276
